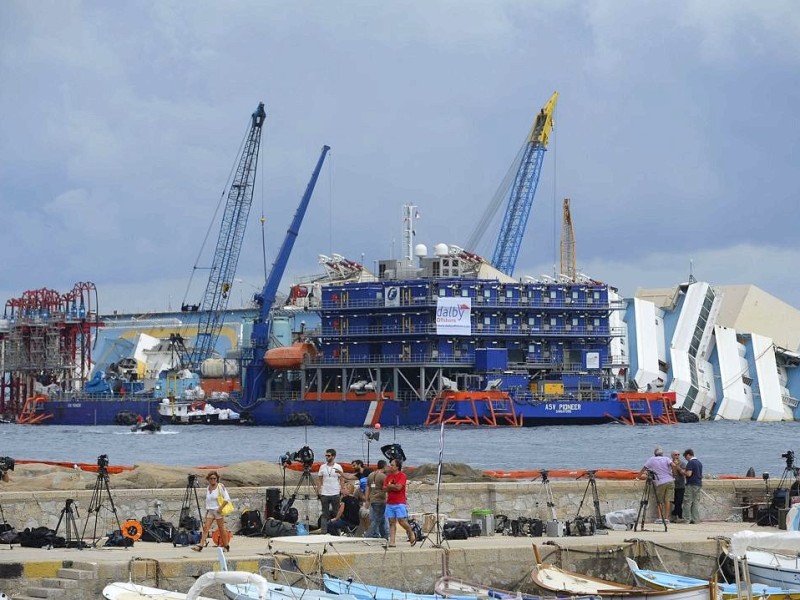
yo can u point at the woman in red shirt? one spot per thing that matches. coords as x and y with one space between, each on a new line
396 510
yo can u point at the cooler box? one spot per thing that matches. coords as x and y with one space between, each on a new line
485 519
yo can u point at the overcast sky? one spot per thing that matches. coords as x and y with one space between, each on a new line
676 136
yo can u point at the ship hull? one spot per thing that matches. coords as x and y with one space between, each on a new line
347 413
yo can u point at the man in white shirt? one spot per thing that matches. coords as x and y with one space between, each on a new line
329 487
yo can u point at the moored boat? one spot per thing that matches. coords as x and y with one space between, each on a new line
661 580
561 581
362 591
451 587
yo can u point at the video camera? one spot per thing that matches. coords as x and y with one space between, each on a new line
6 464
651 475
393 451
102 461
789 456
305 456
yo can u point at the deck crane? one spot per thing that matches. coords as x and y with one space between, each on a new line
520 199
568 265
255 369
229 244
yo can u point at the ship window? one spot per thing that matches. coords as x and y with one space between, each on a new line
553 321
509 293
509 320
465 293
552 293
487 320
575 322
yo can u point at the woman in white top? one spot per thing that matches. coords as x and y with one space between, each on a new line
214 490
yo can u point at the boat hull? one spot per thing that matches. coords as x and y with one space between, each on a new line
352 412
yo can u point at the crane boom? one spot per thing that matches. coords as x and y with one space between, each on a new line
568 263
229 243
254 382
520 199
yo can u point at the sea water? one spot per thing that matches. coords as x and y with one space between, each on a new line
724 447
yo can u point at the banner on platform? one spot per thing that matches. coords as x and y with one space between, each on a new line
453 316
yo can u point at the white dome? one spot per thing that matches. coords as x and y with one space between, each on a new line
441 250
420 250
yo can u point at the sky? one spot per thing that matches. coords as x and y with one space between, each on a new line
676 133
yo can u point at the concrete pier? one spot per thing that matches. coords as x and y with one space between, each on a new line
502 561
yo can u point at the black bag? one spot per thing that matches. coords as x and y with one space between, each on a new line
156 530
455 530
416 529
250 523
275 528
581 526
41 537
115 538
187 521
9 536
273 504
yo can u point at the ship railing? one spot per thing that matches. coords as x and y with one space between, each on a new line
505 330
561 366
477 301
405 359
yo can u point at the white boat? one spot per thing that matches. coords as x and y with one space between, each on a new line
667 581
772 558
197 412
554 579
126 590
451 587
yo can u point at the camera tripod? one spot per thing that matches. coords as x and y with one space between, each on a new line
650 490
68 514
184 519
548 494
96 503
599 521
287 503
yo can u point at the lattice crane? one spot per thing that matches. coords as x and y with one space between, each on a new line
568 266
229 243
520 199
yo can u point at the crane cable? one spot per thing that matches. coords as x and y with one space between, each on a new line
500 195
222 197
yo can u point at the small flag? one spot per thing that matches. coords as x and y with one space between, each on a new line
416 215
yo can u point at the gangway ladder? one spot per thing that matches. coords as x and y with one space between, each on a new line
32 413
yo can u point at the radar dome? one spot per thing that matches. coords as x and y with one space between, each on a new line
420 250
441 250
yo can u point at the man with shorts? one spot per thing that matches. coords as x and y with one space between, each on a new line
396 511
661 467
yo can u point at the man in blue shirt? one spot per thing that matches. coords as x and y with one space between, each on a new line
694 485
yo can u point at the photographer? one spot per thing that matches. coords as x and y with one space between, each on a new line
661 467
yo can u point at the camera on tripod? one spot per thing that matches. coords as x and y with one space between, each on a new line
6 464
102 461
651 475
789 457
305 456
393 452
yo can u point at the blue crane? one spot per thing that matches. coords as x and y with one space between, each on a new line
520 199
229 244
255 376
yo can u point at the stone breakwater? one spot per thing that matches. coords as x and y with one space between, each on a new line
722 500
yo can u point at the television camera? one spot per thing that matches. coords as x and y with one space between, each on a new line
305 456
6 464
102 461
789 457
393 451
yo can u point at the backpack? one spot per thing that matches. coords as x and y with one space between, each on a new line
415 527
250 523
115 538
